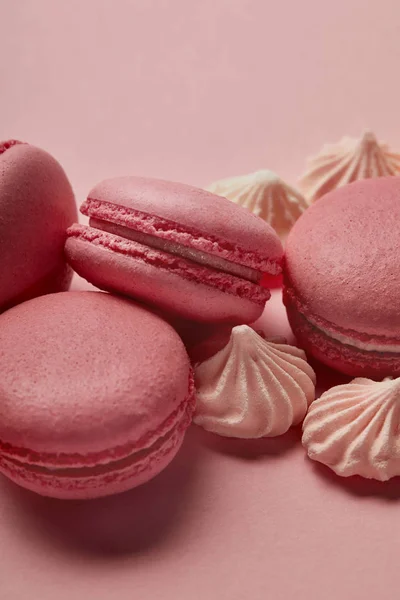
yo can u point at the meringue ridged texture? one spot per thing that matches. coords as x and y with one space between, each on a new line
355 429
264 194
253 388
347 161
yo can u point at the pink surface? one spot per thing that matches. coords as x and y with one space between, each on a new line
195 92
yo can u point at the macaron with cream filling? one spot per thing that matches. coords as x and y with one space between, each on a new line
96 393
342 278
37 206
180 248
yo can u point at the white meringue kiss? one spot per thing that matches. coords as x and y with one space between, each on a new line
355 429
349 160
253 388
265 195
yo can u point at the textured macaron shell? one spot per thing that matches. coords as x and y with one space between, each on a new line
86 372
189 216
176 247
168 282
94 482
346 358
36 207
342 267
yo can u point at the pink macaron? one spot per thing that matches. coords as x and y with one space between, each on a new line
342 278
96 393
36 207
180 248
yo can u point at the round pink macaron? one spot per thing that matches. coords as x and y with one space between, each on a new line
177 247
342 278
36 207
96 393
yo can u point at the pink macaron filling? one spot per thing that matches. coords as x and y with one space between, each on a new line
179 248
111 460
100 473
340 356
350 337
173 263
197 256
200 258
209 246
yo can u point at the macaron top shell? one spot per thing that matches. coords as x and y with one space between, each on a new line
37 205
86 371
211 219
342 258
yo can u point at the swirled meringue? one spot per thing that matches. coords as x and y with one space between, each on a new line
265 195
253 388
347 161
355 429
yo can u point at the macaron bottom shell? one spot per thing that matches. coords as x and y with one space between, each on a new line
337 355
174 284
85 486
82 479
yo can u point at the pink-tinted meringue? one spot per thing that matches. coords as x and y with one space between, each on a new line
347 161
355 429
265 195
253 388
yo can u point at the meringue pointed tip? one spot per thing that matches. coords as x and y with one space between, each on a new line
265 176
244 335
368 138
241 330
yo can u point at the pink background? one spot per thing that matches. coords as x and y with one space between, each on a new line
195 91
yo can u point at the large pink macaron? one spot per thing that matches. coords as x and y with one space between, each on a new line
342 278
177 247
96 393
36 207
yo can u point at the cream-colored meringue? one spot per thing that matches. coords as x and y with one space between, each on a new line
253 388
265 195
355 429
347 161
